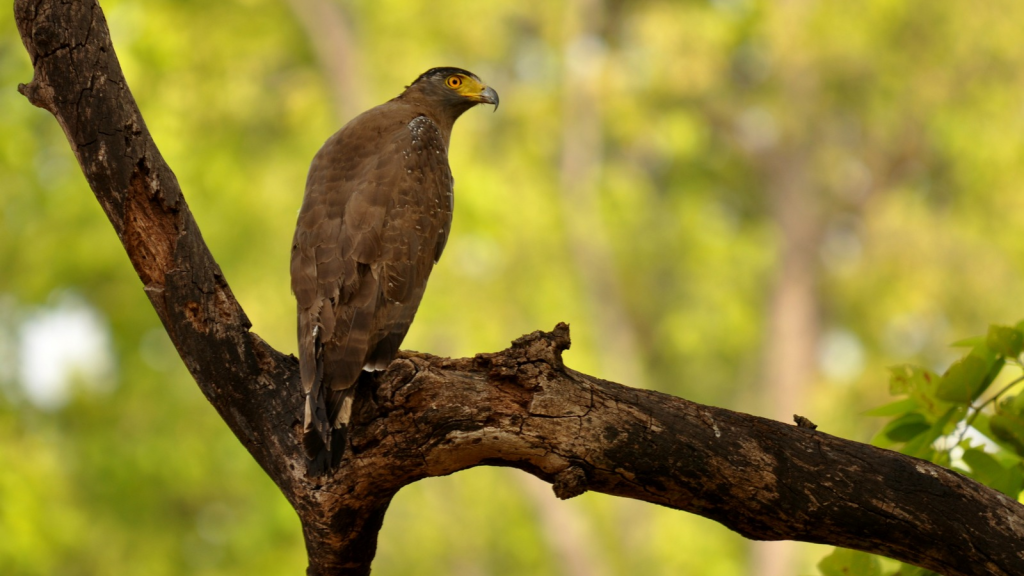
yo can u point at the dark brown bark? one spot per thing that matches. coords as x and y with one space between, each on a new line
428 416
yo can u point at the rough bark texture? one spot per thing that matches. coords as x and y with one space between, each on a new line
429 416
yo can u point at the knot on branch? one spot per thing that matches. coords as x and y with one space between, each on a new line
39 95
389 386
570 483
544 346
804 422
539 346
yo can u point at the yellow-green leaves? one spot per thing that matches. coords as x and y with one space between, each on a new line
958 420
919 383
971 375
967 378
986 469
906 427
1007 425
1006 341
843 562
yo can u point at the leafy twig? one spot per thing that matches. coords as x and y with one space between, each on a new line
977 411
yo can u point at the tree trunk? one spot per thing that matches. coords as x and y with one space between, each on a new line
428 416
791 342
330 34
579 175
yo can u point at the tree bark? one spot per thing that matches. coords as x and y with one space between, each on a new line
522 407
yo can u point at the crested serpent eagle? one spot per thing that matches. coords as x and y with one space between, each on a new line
374 219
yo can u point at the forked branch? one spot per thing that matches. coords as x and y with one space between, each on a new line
429 416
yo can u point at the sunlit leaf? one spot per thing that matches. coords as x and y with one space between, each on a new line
1010 429
1014 482
984 468
982 423
844 562
894 408
904 378
993 372
969 342
964 380
906 427
920 384
1005 340
921 445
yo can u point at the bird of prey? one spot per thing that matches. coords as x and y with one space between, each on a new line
374 219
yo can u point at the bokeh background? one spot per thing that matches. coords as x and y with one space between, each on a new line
752 204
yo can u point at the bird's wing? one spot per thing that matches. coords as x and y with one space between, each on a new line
414 234
370 227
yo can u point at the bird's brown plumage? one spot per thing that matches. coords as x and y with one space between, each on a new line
374 220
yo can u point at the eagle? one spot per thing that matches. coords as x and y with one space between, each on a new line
374 220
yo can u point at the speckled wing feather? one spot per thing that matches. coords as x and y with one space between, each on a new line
374 219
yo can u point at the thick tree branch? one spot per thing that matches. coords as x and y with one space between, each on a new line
79 80
523 408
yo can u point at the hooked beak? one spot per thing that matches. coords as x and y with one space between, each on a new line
488 96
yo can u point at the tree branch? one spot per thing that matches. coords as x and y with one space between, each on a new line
428 416
78 79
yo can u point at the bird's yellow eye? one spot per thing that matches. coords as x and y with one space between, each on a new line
453 81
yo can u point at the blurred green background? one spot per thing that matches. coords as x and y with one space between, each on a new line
751 204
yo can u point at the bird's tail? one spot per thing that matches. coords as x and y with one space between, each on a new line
328 413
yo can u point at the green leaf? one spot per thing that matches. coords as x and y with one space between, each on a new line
964 380
1007 425
984 352
905 378
969 342
993 373
921 445
920 384
983 423
906 427
1014 482
1005 340
1009 429
843 562
984 468
894 408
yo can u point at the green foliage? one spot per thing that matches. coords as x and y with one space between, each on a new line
1005 341
967 419
862 105
843 562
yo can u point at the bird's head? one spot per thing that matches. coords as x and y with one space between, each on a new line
452 90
